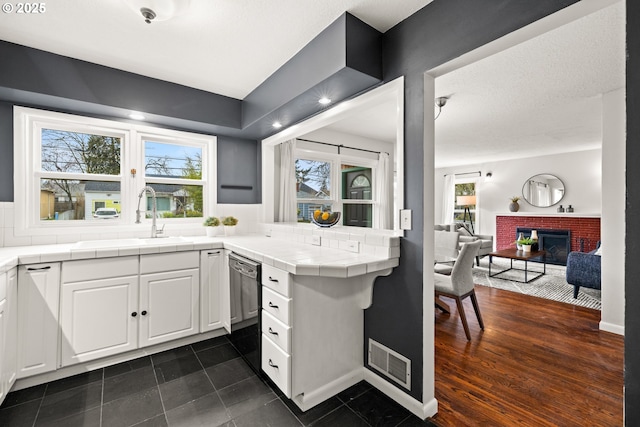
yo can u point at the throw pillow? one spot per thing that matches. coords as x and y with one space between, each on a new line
464 232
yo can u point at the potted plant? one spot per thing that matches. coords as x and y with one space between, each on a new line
211 225
525 243
514 206
229 223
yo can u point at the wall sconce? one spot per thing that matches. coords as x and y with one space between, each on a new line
440 102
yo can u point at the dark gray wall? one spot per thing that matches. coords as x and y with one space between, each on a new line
632 240
44 73
437 33
239 171
6 152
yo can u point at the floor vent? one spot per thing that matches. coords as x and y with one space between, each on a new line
390 363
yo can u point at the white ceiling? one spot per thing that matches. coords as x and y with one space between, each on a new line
226 47
542 96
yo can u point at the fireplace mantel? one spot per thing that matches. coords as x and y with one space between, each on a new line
552 214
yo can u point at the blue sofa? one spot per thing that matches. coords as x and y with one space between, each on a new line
583 269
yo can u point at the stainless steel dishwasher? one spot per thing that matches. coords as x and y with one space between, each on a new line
246 300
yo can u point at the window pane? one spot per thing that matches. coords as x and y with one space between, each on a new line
357 215
356 182
313 179
68 200
172 160
306 210
465 198
75 152
175 201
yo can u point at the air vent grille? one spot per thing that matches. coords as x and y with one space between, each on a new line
390 363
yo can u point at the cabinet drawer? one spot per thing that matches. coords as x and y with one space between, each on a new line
277 331
158 263
276 305
101 268
276 279
277 364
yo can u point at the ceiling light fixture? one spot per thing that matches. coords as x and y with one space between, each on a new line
324 100
136 115
440 102
277 125
158 10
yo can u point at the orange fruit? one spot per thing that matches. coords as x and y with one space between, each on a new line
325 216
317 214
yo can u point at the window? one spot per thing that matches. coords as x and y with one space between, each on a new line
313 187
321 185
357 195
79 171
465 198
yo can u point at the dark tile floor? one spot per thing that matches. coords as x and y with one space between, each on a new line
203 384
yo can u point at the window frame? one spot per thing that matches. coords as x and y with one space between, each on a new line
336 201
28 125
475 211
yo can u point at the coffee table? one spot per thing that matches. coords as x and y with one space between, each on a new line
514 254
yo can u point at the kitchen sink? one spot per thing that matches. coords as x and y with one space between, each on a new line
118 243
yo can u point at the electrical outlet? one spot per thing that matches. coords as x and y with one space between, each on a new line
405 219
353 246
315 240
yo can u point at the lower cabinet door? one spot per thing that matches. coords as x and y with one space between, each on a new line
38 321
98 318
277 364
3 331
169 306
9 332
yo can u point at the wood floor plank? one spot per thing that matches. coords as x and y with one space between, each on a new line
537 363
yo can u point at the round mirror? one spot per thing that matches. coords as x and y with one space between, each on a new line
543 190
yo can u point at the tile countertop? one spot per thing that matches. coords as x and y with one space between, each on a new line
296 258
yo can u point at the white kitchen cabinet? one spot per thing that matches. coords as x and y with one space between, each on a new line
8 331
276 327
114 305
169 297
4 314
38 302
98 308
312 333
214 291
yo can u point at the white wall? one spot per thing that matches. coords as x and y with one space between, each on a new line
613 211
580 171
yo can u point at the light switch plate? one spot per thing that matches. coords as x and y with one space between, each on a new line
405 219
315 240
353 246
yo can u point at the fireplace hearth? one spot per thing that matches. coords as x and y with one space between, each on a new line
557 243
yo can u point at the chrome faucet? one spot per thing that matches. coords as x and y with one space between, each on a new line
154 229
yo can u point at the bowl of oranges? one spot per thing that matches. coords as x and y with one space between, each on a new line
325 218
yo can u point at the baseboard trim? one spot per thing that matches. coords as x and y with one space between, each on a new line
312 398
91 365
419 409
613 328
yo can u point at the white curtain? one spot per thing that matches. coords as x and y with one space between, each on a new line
383 194
448 199
287 205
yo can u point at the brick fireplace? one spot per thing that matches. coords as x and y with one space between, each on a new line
585 231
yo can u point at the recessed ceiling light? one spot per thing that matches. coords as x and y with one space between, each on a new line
324 100
277 125
136 116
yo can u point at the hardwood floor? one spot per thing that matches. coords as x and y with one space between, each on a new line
537 363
